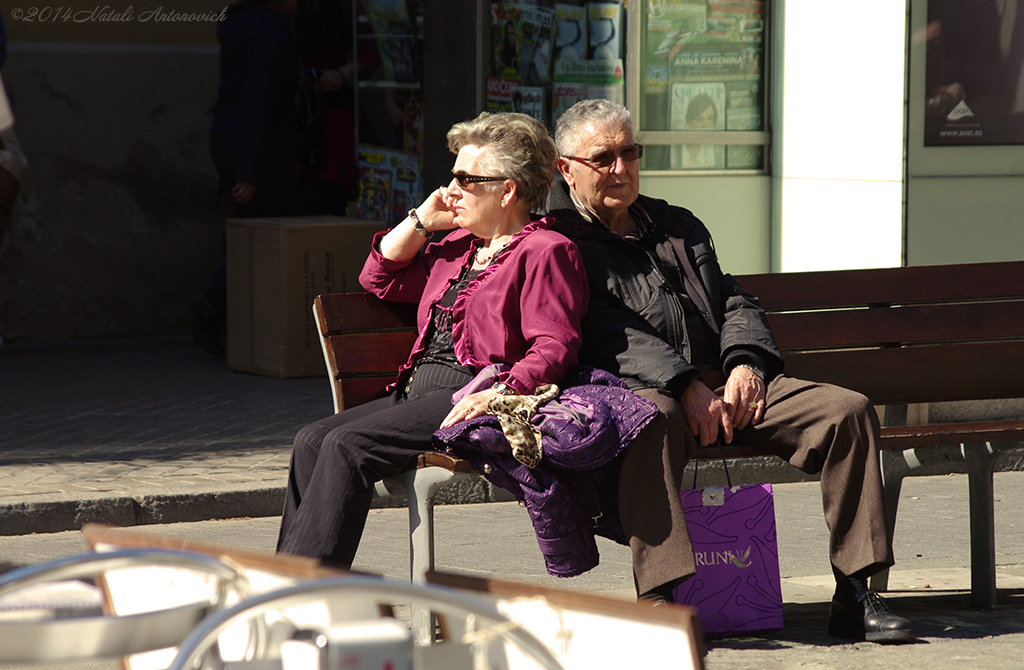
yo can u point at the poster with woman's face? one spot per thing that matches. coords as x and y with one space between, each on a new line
974 92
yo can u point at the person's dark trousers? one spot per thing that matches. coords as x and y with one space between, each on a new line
650 509
336 462
834 431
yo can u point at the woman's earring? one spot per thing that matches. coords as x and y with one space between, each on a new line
503 202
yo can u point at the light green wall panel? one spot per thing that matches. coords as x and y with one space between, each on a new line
965 220
736 209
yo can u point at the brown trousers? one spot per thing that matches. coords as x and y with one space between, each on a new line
816 427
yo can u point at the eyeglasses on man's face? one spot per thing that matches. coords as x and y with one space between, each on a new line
607 158
464 180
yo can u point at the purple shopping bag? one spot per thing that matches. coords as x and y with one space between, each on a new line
737 587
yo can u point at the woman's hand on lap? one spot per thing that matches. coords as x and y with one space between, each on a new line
470 407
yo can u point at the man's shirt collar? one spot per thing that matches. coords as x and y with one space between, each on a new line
644 224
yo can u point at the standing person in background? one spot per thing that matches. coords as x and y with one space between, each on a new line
327 166
254 135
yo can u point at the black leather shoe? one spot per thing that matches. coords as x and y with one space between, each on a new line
867 617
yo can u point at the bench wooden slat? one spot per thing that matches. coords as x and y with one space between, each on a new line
904 285
363 389
924 373
357 312
912 437
365 341
361 353
907 437
887 326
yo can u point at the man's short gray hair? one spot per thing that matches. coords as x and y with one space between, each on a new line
600 113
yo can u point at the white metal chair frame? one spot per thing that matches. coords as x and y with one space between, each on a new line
476 614
56 639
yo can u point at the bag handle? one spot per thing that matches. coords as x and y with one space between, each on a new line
696 464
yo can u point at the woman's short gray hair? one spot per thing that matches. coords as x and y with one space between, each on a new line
519 147
598 112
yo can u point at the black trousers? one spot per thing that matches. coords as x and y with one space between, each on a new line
335 463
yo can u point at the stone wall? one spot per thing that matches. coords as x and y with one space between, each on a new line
116 230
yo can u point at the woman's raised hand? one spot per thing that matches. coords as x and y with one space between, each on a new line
437 211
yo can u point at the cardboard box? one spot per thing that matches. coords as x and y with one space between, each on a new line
275 267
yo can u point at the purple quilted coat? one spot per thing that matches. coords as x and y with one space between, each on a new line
573 494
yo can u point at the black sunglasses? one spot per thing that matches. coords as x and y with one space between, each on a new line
607 158
465 180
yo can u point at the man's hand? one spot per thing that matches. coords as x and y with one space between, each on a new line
706 413
745 397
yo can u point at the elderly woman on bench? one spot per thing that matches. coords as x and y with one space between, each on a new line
501 288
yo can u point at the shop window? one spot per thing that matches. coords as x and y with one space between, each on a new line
543 57
691 71
698 86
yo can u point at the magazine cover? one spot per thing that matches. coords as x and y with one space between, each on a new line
505 33
743 112
529 100
499 94
536 27
390 183
674 22
714 62
671 24
744 157
743 105
736 21
373 201
698 107
396 41
605 30
602 78
564 95
570 32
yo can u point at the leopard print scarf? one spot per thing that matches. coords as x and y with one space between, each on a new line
514 413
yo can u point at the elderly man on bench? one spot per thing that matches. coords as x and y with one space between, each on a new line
666 319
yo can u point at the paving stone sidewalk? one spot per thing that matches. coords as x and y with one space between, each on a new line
137 431
141 431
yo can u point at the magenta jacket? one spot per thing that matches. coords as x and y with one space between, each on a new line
523 310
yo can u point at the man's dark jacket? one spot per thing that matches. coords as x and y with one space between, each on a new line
635 327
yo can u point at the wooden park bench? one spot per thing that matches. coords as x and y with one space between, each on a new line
901 336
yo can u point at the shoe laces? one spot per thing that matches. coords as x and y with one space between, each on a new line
875 603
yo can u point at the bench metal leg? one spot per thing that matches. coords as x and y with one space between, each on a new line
980 460
980 463
420 486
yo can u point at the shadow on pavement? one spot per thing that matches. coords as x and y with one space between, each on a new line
941 615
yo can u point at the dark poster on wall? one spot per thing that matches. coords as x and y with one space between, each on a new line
974 75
